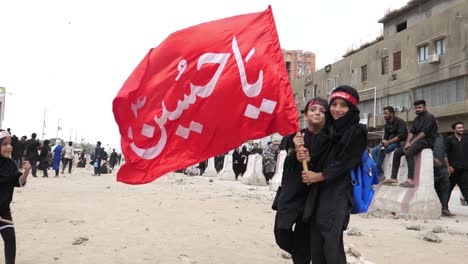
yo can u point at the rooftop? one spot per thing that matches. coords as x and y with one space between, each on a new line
398 12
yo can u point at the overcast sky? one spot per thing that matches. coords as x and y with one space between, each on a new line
71 57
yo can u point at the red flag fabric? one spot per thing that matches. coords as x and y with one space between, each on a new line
203 91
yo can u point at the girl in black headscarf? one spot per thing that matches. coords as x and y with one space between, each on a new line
338 149
10 178
44 157
291 196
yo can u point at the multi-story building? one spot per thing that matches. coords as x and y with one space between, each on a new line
423 54
299 63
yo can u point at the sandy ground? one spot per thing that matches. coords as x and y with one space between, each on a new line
178 219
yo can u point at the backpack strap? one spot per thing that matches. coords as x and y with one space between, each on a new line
353 176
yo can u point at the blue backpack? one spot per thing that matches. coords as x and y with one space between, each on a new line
363 177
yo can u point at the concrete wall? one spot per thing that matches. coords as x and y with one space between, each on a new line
448 20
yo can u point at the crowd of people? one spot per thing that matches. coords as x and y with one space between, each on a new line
450 168
20 157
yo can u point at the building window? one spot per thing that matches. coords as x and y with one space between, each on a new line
442 93
402 26
337 81
440 46
364 73
423 53
305 93
330 86
385 65
315 91
396 61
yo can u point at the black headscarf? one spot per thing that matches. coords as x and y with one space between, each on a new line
8 169
333 130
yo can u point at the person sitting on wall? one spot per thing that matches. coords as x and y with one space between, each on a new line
422 136
395 132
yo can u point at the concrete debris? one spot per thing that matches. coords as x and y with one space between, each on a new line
353 232
80 240
438 229
414 227
431 237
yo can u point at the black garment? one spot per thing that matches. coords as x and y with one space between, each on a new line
394 129
113 159
460 178
32 156
338 150
244 159
411 152
32 146
219 162
441 177
289 203
9 240
66 162
202 166
256 151
9 179
426 123
44 158
457 152
236 163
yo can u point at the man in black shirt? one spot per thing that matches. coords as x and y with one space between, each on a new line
395 133
32 155
441 174
422 135
457 158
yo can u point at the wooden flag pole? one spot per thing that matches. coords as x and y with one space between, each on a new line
304 162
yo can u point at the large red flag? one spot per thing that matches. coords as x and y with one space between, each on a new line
203 91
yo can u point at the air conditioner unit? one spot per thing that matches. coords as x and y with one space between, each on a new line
434 59
399 108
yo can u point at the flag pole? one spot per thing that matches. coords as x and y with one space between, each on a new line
304 162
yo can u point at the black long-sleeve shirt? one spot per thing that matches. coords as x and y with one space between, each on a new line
426 123
457 152
9 179
394 129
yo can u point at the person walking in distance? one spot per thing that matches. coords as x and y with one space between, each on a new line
457 158
113 159
57 156
44 158
422 136
10 178
98 155
32 155
68 157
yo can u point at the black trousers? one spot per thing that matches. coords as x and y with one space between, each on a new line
442 187
9 239
412 151
326 232
69 162
460 178
295 241
33 167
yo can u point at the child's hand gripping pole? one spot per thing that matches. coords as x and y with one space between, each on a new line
300 146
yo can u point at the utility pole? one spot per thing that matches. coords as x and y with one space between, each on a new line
44 124
58 127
